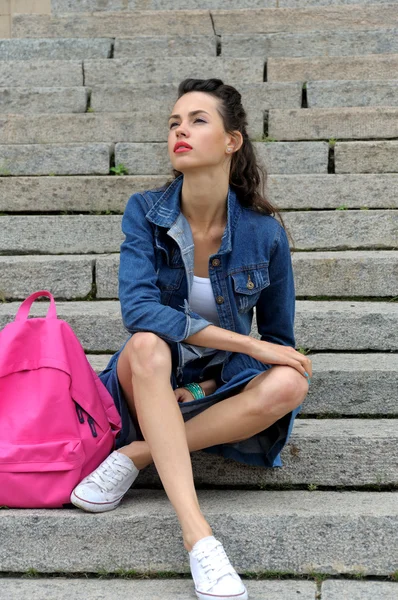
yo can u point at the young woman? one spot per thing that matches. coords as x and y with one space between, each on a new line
199 255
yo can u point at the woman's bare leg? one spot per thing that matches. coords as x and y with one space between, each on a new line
265 399
163 427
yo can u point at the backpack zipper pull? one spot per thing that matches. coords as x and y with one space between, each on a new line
91 422
79 411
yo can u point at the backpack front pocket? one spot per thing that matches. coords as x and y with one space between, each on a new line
40 475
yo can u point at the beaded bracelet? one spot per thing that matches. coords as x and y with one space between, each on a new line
196 390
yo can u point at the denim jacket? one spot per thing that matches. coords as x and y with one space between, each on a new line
252 269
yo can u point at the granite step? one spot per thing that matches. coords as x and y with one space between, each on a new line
329 94
59 7
292 531
342 384
115 24
376 67
338 274
58 588
31 49
281 157
330 274
34 99
326 18
323 452
366 157
320 325
256 97
261 20
74 127
339 123
287 158
284 44
84 234
317 191
121 71
312 43
55 159
350 123
182 589
41 73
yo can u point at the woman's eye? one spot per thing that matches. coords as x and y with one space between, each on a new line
197 119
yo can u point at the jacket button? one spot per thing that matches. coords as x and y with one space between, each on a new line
219 300
216 262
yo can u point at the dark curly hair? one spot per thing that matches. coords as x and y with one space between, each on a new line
247 177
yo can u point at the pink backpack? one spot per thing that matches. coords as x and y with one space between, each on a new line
58 422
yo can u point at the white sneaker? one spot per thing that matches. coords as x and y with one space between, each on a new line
105 487
213 574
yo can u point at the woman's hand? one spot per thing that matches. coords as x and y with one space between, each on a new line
183 395
278 354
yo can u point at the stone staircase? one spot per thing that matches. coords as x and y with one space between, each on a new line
87 89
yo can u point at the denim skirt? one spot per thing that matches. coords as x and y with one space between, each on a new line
263 449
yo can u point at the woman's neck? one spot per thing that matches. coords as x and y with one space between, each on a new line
204 200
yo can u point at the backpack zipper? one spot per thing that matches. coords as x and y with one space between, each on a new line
91 422
79 411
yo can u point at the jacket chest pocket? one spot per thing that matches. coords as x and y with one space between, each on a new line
248 283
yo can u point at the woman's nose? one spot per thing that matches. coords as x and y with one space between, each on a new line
181 130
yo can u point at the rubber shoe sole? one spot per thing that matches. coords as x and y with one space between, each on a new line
94 507
203 596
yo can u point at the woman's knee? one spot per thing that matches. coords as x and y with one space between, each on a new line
149 355
283 393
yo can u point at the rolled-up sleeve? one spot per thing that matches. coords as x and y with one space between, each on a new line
275 309
139 294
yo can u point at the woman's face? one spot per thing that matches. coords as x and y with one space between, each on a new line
196 123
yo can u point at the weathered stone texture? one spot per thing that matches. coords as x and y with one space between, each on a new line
328 94
72 193
305 19
373 67
339 123
31 100
112 24
64 276
311 43
54 49
58 159
120 71
366 157
52 73
156 589
330 532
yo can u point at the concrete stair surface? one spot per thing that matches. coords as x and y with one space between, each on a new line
297 532
320 325
88 88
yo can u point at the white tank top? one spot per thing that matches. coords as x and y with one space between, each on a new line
202 300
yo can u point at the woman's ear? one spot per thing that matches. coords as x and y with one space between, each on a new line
236 141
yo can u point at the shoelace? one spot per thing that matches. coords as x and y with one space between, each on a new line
214 562
103 476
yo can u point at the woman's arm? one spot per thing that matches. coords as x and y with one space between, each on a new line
265 352
275 311
139 294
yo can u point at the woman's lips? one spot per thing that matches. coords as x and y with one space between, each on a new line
182 149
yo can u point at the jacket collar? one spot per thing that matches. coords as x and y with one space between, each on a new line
166 211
